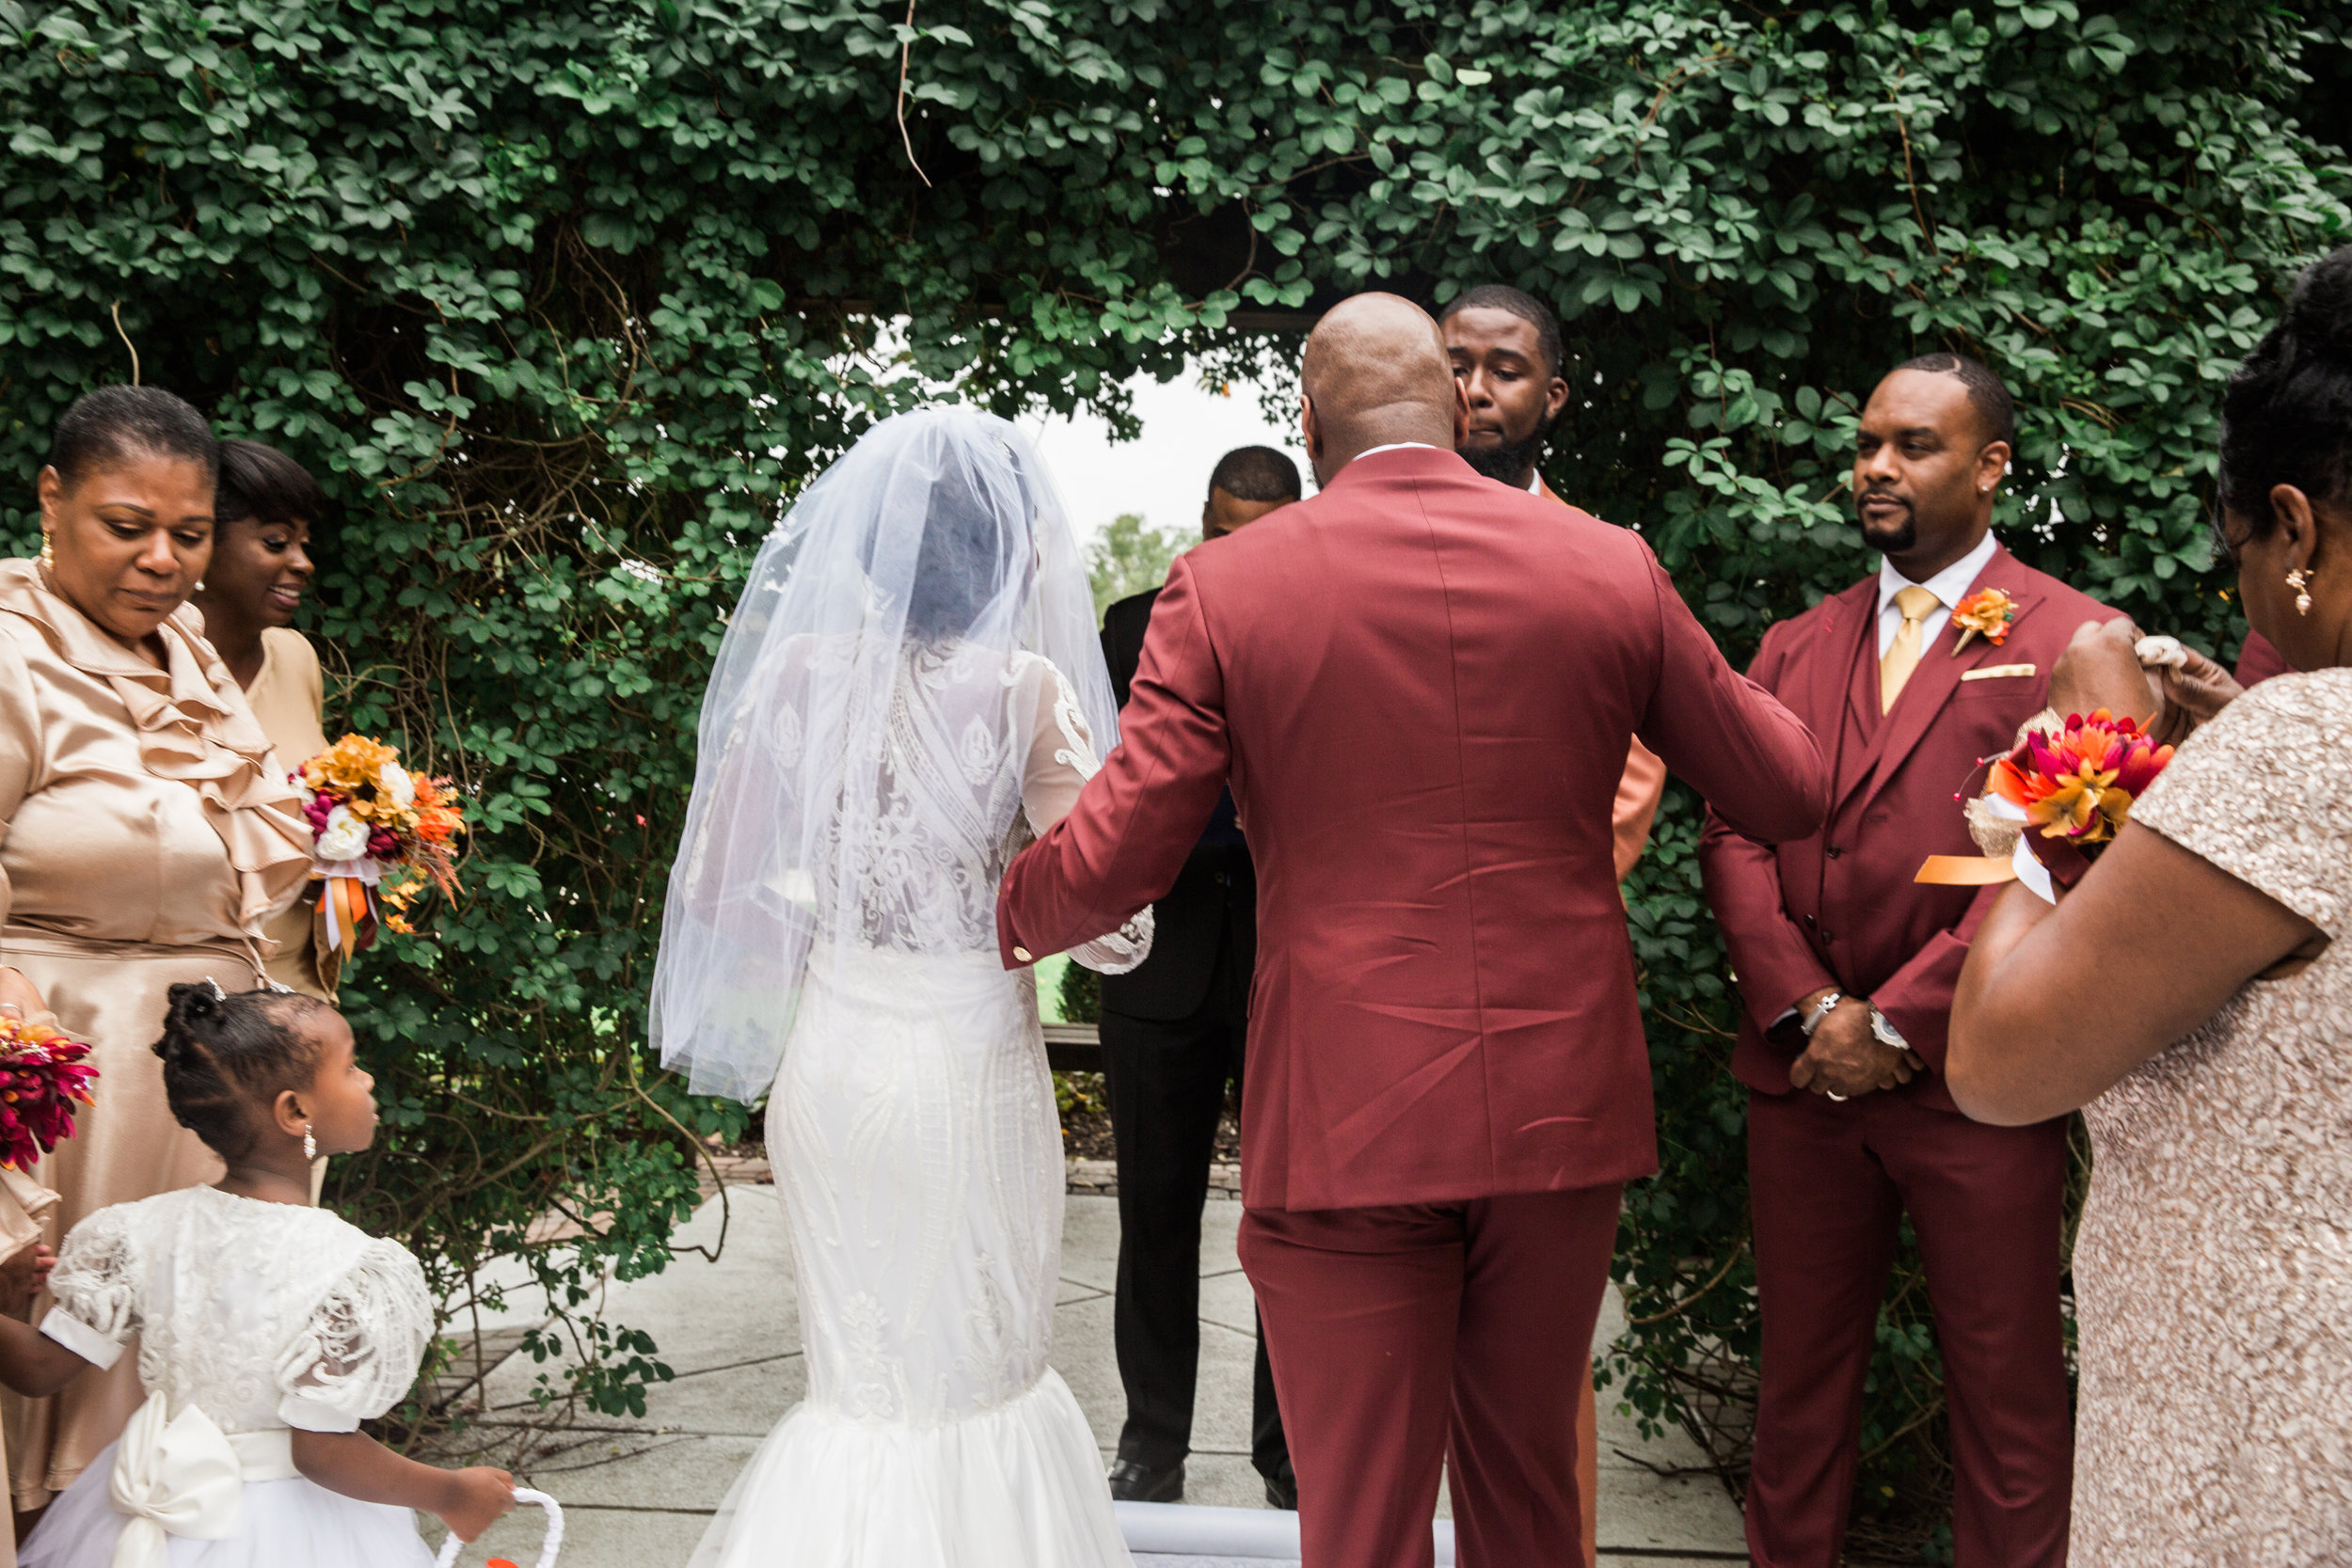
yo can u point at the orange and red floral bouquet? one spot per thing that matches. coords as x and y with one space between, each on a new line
42 1080
381 834
2073 789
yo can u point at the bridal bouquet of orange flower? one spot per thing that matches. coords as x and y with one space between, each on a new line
2077 784
42 1080
2056 801
382 834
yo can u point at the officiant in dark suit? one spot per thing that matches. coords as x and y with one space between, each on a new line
1172 1033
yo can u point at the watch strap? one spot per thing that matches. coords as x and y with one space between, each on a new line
1822 1009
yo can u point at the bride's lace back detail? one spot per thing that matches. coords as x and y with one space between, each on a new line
914 870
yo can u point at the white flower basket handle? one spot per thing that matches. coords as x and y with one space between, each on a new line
546 1552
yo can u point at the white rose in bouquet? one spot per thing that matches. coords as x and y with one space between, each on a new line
393 782
344 837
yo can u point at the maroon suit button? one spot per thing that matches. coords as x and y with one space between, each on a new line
1832 851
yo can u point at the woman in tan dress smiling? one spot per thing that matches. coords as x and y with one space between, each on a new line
145 836
262 510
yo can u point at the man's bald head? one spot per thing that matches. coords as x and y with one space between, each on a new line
1375 372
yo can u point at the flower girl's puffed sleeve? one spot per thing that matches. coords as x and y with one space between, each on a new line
359 1351
1062 760
95 1285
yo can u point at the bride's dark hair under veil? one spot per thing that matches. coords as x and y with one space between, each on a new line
962 559
864 730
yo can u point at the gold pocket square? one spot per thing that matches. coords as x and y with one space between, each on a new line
1994 671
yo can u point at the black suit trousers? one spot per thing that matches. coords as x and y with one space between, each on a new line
1167 1082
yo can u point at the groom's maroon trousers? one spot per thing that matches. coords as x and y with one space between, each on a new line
1422 686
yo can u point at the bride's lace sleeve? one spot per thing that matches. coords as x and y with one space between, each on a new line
358 1352
96 1286
1062 760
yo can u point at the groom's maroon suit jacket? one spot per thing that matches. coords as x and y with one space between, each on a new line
1841 907
1421 685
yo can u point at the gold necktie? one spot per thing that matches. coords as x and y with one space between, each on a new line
1896 665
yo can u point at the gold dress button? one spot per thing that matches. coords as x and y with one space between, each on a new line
1022 954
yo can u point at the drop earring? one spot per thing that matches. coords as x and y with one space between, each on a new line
310 1143
2296 580
48 552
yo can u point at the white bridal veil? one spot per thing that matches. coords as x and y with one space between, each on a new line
864 732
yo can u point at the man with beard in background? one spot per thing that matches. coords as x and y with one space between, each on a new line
1506 352
1845 965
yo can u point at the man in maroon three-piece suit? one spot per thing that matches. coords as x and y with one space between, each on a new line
1422 686
1846 965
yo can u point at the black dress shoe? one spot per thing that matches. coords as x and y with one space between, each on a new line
1283 1492
1134 1482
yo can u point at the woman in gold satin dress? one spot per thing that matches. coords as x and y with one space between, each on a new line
146 836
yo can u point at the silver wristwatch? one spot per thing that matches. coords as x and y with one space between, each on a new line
1885 1032
1822 1009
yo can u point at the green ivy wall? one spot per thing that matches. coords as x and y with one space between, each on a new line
566 298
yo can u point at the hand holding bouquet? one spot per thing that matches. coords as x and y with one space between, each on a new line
42 1080
382 834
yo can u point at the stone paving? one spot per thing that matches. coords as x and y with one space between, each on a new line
637 1493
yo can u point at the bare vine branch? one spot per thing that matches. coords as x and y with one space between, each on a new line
906 47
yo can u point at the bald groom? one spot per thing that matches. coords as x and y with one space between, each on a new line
1446 1085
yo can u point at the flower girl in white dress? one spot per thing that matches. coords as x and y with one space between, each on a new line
269 1329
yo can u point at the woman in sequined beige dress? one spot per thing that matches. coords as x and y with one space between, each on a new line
2191 997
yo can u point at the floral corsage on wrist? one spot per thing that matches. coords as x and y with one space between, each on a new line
2052 805
42 1080
381 835
1986 613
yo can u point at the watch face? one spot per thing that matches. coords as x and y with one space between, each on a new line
1884 1033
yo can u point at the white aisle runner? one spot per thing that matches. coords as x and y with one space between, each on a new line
1180 1535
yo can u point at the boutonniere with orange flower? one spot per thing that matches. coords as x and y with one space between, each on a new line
1988 612
381 835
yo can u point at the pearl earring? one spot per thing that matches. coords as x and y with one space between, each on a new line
310 1143
2302 594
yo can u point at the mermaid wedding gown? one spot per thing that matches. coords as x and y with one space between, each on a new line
917 1154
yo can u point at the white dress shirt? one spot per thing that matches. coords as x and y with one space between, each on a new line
1949 586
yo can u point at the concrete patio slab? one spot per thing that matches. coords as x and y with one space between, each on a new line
640 1493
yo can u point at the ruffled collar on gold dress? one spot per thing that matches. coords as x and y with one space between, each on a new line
192 726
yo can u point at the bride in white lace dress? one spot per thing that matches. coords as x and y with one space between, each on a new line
909 688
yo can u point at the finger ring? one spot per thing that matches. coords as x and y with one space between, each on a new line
1834 1095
